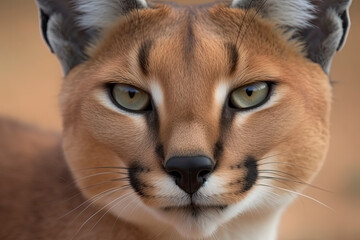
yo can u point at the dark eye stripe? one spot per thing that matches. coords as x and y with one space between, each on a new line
233 56
143 57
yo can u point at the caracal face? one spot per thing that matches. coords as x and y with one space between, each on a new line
166 84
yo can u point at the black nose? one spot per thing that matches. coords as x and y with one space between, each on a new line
190 173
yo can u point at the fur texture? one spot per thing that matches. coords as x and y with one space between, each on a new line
35 188
72 26
190 60
322 25
100 14
285 13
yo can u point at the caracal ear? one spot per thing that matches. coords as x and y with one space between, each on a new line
322 25
70 26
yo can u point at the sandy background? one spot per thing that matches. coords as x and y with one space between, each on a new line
30 78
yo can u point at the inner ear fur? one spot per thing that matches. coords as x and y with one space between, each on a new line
322 25
70 26
327 32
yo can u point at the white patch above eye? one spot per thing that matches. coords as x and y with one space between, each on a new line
157 94
221 92
291 13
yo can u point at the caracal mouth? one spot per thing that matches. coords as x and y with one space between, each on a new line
195 209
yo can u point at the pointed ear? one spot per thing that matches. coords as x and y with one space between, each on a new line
69 26
322 25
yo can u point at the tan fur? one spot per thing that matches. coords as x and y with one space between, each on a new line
37 190
294 129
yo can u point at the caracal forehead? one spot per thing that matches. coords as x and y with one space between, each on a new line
182 50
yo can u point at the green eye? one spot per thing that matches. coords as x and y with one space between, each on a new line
250 96
130 98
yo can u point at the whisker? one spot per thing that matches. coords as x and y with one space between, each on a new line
102 173
227 229
114 225
288 164
104 167
93 201
172 236
242 22
273 198
107 211
252 20
92 216
107 181
96 174
136 206
273 178
162 231
92 186
93 198
213 236
299 182
280 173
267 157
299 194
100 197
139 20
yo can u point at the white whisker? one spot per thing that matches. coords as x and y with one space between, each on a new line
288 164
300 194
96 198
115 204
97 174
92 216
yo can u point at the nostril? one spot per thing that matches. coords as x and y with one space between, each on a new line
203 175
175 174
189 173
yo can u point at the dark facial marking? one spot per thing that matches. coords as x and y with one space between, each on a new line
233 56
189 36
218 150
134 171
227 117
252 173
152 120
143 57
160 151
225 123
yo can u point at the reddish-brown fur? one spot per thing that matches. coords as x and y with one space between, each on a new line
188 59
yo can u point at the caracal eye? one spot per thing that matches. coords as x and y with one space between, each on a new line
250 96
130 98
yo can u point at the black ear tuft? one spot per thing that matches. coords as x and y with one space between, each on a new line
62 34
328 31
345 18
70 26
44 25
322 25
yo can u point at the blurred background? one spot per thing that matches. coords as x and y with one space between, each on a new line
30 80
